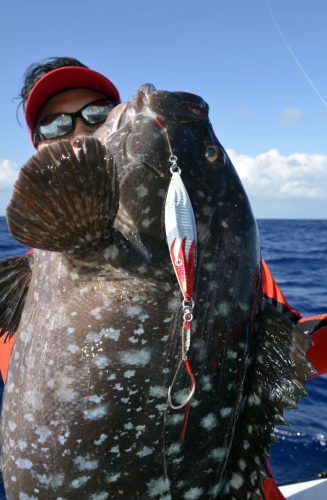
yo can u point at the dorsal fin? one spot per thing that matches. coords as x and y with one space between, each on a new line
15 277
275 383
65 201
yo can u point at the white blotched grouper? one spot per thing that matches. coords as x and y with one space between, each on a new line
97 312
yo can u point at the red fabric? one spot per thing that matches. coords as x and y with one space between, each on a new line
272 290
271 490
5 354
317 354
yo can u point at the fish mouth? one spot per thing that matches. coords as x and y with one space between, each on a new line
177 106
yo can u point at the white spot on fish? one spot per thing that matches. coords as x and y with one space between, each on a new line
95 399
111 252
139 357
145 452
161 408
54 480
43 432
156 391
77 483
134 310
139 331
23 463
209 422
50 383
22 445
174 448
223 308
99 496
73 348
101 361
147 222
101 439
241 464
217 453
243 306
110 333
96 313
112 478
85 463
28 417
231 354
23 496
157 487
73 313
70 330
114 449
226 412
236 481
10 387
93 337
67 394
141 191
95 413
175 419
206 383
12 425
193 493
161 193
14 479
254 399
34 399
129 373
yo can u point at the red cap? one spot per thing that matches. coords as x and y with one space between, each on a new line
67 77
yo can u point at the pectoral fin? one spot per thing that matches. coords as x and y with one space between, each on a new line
65 201
15 277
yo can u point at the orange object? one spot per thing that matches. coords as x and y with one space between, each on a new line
5 354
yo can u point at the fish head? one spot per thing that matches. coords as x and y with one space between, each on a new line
142 135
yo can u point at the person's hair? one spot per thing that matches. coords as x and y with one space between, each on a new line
37 70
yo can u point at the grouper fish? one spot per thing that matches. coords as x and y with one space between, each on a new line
97 312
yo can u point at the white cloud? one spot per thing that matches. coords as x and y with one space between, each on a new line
292 115
271 174
8 174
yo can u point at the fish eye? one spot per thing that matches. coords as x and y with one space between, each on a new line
212 153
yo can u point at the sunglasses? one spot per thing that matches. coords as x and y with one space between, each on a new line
61 124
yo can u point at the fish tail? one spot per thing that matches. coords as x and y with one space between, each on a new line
65 199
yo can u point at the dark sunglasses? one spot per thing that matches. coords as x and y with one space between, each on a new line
61 124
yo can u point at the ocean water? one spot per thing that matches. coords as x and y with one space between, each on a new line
296 252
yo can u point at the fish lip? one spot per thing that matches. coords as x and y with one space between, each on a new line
180 106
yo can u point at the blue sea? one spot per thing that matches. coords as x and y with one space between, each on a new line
296 252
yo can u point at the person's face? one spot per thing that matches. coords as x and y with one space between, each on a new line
70 101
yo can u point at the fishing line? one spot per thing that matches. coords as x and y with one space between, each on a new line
299 65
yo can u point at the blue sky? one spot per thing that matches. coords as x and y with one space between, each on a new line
262 108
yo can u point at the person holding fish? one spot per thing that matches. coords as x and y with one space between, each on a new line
63 100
